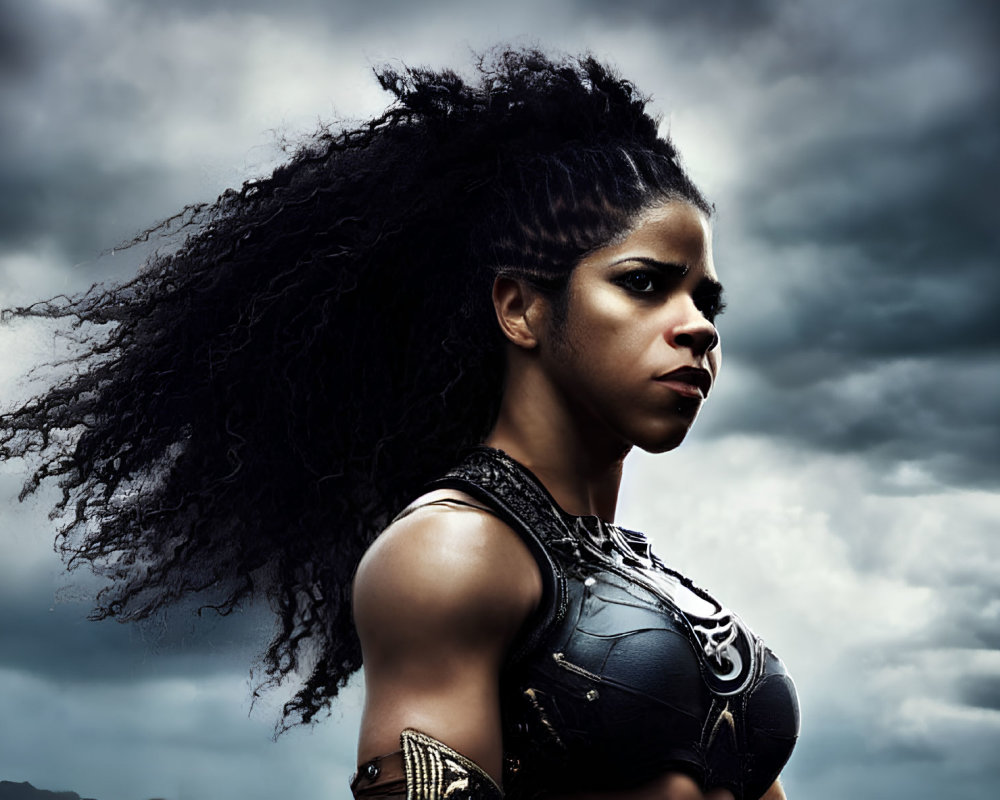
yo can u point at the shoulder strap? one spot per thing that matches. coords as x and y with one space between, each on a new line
515 496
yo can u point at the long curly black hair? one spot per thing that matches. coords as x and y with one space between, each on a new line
249 411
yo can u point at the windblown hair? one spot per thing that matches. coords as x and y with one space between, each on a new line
251 410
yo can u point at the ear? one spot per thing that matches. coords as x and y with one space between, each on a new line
520 311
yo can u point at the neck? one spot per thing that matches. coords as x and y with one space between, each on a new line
580 465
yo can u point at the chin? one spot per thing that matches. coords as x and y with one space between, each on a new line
663 443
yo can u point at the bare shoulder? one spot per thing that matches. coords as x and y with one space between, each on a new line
448 572
438 598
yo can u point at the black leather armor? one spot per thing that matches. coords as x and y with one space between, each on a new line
628 670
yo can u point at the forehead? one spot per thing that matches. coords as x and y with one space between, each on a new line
676 232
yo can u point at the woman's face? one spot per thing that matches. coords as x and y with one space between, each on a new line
637 352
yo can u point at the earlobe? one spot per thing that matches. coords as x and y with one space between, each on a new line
519 309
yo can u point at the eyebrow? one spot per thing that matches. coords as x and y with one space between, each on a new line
669 267
674 270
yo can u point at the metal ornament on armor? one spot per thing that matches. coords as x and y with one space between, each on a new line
725 643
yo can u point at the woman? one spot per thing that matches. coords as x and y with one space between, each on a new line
520 264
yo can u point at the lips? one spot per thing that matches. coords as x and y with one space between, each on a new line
691 381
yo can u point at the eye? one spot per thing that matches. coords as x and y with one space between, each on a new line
710 304
640 281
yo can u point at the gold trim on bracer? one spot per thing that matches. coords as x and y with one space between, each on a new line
436 772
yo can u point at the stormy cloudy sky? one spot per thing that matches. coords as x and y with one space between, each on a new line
840 491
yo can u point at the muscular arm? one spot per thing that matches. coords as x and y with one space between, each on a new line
437 601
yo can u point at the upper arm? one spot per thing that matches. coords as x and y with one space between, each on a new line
437 600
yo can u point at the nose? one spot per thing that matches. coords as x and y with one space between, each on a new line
694 332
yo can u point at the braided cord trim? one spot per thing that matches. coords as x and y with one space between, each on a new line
436 772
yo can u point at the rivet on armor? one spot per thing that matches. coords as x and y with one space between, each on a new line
589 582
592 695
371 770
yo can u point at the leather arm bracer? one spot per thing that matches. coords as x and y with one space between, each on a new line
423 769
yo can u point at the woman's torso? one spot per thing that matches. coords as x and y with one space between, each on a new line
627 671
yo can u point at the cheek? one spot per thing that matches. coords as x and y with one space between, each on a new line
604 325
604 352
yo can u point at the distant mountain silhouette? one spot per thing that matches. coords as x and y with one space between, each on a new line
25 791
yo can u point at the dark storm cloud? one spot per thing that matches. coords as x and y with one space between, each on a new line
80 206
970 620
32 35
858 38
717 17
871 205
62 130
983 692
47 636
19 48
714 17
906 218
340 13
939 414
